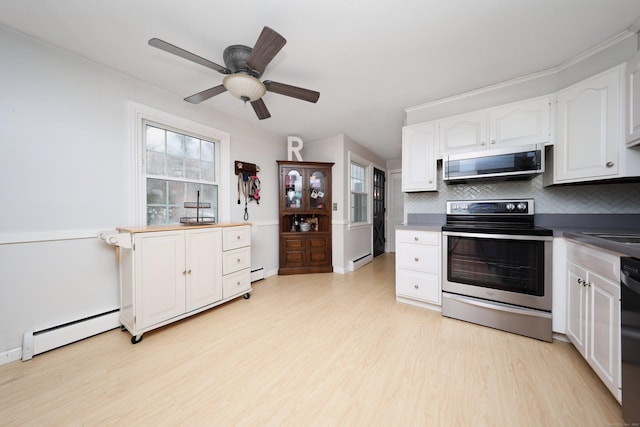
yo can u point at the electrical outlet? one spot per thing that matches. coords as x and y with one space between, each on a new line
335 206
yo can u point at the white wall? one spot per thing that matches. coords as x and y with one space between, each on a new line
348 243
64 172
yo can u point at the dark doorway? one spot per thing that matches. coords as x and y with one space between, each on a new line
378 212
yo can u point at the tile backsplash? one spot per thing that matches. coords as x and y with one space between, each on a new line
619 198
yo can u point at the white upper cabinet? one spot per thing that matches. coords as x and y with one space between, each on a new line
633 101
525 122
419 157
467 132
588 145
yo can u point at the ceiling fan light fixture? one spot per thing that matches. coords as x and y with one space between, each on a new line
244 87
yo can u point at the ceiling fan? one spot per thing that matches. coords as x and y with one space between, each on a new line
244 67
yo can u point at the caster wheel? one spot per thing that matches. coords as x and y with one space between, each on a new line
247 295
123 328
136 339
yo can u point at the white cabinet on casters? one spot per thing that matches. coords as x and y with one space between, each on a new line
173 272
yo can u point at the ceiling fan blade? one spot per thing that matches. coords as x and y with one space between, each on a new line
168 47
267 46
292 91
261 109
205 94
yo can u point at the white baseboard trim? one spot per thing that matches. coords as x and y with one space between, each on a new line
10 355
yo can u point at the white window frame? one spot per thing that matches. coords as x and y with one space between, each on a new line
138 115
368 166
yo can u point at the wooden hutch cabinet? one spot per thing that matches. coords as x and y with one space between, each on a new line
305 217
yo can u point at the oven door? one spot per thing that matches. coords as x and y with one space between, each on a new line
511 269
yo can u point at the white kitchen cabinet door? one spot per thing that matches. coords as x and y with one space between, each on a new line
604 324
464 133
419 158
589 132
524 122
204 267
633 101
577 307
160 277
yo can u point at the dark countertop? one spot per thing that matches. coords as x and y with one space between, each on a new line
570 226
627 249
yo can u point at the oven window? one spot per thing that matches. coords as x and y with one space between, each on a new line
510 265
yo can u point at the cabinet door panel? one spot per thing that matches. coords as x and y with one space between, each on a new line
418 158
604 321
318 250
160 277
467 132
522 123
204 267
588 129
576 308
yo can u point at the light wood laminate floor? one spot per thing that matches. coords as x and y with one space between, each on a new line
317 350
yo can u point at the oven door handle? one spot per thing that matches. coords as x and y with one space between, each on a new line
499 306
498 236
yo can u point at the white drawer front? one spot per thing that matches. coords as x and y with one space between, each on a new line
236 237
237 259
236 283
418 257
418 237
419 286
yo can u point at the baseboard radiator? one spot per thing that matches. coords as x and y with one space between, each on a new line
257 274
36 342
359 262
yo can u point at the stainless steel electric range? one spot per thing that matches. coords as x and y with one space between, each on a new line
497 266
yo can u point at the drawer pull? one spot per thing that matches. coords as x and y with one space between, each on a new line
416 286
416 259
416 238
238 260
238 283
238 237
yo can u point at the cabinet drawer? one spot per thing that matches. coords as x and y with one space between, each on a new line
236 283
236 237
600 261
418 237
420 286
235 260
418 257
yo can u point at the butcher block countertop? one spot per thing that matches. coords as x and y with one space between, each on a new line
172 227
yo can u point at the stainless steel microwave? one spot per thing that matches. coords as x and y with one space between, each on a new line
519 162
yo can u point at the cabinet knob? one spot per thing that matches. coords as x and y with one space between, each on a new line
416 238
609 164
493 141
416 286
483 143
238 237
189 271
416 259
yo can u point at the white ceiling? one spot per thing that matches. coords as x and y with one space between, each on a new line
369 59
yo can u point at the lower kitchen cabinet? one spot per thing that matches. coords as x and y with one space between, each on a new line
593 310
418 268
169 273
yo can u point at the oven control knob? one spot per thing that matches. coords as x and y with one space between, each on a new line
522 206
510 206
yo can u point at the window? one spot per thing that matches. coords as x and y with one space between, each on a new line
359 193
171 160
179 168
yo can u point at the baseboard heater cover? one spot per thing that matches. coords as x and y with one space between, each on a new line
36 342
359 262
257 274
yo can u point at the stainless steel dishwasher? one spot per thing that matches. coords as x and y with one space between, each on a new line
630 342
